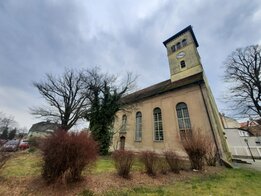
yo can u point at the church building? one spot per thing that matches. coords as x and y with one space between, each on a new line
159 116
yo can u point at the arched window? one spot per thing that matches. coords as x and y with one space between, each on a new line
124 123
178 45
173 48
182 64
184 42
138 131
158 127
183 120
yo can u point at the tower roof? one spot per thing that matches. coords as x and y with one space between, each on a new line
188 28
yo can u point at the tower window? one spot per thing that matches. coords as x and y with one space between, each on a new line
184 42
173 48
158 127
182 64
178 45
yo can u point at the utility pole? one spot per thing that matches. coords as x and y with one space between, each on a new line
249 149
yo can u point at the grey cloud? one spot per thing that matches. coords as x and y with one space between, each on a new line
45 36
33 37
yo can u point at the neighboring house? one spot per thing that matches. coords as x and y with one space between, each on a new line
241 142
42 129
255 130
252 126
162 114
248 123
228 122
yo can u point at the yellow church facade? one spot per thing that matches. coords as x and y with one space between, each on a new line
158 117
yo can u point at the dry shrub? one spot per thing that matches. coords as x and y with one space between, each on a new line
173 161
65 155
149 159
123 160
162 165
196 147
211 155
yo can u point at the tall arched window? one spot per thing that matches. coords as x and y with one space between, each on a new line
158 127
173 48
184 42
183 120
138 131
178 45
124 123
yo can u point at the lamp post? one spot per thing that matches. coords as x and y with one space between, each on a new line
249 149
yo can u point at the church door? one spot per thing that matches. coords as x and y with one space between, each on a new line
122 142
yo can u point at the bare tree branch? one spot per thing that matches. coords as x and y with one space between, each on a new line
66 96
7 121
243 73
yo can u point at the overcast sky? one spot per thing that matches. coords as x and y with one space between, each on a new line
46 36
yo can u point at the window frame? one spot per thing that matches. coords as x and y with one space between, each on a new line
178 46
158 131
182 64
138 127
173 48
183 119
184 42
124 123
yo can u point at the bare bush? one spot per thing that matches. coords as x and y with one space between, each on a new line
173 161
123 160
196 147
162 165
211 155
150 159
65 155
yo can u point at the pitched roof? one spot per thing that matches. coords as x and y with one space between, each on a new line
248 124
255 130
160 88
43 127
188 28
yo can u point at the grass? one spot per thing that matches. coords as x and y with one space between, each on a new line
104 164
29 164
228 182
22 164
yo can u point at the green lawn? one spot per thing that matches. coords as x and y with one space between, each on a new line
103 164
22 164
227 182
29 164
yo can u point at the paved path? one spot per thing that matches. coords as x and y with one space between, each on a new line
254 165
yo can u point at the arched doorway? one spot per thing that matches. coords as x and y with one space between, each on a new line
122 143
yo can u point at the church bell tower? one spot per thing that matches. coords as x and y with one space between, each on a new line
184 60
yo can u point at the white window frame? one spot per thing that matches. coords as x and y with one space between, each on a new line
157 122
185 129
138 127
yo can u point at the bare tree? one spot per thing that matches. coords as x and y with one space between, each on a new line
7 121
66 97
243 73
